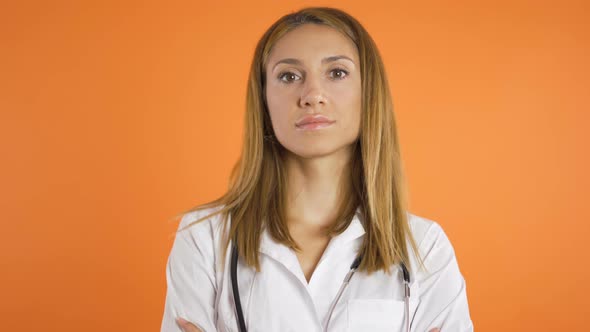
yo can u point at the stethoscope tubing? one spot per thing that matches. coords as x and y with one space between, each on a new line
353 267
235 290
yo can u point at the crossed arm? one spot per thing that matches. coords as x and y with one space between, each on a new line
187 326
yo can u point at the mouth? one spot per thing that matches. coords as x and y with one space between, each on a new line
315 125
314 122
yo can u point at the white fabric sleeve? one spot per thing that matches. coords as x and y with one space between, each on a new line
443 298
190 278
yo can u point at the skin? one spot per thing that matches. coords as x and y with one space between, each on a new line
316 160
324 80
322 77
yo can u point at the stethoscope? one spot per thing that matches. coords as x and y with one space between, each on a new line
353 267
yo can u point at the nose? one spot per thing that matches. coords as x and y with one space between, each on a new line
312 93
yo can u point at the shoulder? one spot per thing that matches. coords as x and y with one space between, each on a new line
200 227
422 228
201 219
429 236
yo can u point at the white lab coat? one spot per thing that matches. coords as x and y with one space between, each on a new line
279 298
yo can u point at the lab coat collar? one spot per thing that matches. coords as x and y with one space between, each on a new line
283 254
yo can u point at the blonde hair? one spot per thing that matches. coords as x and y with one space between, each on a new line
257 191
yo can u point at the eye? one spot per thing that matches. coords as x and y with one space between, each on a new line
338 73
288 77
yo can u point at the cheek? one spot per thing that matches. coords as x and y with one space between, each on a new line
279 110
350 104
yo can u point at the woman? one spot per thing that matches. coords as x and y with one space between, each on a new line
319 186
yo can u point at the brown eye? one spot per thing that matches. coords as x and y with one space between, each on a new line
338 74
288 77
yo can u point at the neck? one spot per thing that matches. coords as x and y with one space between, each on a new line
315 188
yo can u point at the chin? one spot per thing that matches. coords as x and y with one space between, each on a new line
314 150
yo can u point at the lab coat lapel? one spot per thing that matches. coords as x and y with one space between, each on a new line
354 230
287 256
280 253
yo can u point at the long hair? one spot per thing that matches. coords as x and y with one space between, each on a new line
256 195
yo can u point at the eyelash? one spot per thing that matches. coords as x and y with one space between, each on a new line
283 74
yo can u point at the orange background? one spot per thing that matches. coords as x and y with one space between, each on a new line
117 115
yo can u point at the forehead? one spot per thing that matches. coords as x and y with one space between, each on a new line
312 42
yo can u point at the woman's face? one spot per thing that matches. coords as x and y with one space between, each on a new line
313 91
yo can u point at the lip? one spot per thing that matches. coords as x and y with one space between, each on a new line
314 126
313 122
313 119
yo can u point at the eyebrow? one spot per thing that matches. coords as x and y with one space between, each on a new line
293 61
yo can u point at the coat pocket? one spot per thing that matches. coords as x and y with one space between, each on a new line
375 315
